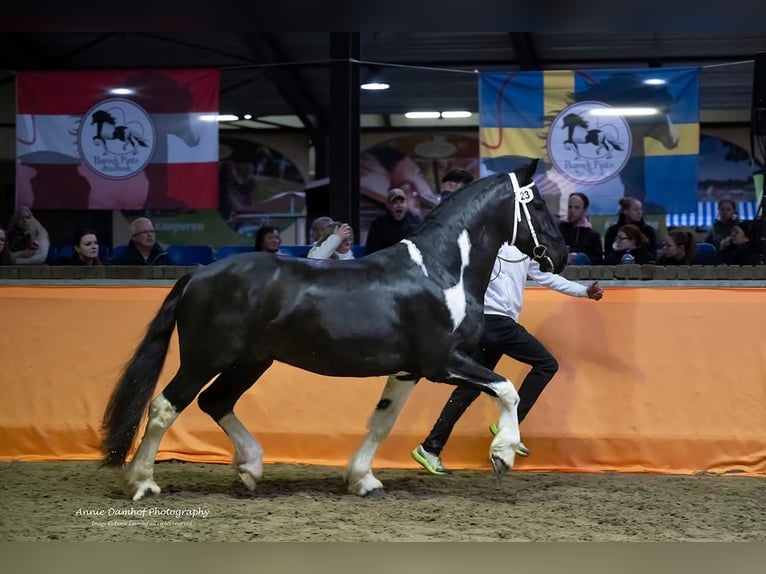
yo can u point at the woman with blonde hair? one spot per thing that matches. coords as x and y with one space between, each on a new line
334 242
27 238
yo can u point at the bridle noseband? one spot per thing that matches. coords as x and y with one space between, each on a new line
522 196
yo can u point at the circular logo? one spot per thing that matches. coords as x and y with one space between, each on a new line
589 143
116 138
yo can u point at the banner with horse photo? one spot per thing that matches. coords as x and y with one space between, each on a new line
117 139
604 133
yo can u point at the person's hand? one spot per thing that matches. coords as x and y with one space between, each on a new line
34 245
343 231
595 291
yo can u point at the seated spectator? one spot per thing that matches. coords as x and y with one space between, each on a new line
143 249
267 239
631 211
583 241
454 180
318 227
27 238
679 248
739 248
393 226
5 251
334 243
724 223
85 250
630 247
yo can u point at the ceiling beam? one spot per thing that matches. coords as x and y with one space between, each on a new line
524 47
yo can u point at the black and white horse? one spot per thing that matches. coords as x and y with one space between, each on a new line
580 133
107 129
412 311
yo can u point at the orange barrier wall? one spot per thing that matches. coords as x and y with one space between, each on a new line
651 379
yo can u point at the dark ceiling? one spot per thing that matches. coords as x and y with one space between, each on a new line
286 74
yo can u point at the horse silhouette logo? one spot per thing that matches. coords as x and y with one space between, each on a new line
589 143
116 139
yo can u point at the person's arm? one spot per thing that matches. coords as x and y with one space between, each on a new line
36 257
326 248
556 282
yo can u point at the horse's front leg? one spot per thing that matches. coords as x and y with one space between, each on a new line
359 477
502 451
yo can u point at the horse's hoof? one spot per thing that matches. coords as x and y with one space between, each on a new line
375 494
248 480
499 466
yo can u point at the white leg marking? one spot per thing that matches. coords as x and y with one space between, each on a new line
455 296
248 452
415 255
359 477
508 436
138 475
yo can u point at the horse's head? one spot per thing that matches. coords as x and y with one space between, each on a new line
101 116
535 231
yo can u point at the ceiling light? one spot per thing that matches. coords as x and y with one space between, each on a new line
456 114
248 116
375 80
655 82
421 115
219 118
121 91
623 111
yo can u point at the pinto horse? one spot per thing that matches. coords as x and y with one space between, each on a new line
107 129
422 300
579 132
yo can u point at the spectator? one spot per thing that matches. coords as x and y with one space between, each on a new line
454 180
631 211
583 241
27 238
143 249
504 335
267 239
724 224
318 227
5 251
334 243
630 246
85 250
393 226
739 248
679 248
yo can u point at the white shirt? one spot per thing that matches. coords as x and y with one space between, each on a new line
505 292
327 248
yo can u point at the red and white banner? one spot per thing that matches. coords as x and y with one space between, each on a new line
117 139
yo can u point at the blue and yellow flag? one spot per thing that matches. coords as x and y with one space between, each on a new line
604 133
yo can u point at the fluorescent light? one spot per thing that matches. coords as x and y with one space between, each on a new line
375 86
248 116
122 91
655 82
421 115
623 111
456 114
219 118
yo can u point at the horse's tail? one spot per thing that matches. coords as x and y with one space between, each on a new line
132 393
141 142
614 144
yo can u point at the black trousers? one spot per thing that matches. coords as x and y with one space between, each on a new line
502 336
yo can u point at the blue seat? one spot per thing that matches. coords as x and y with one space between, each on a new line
191 254
295 250
706 254
50 259
225 251
358 251
117 252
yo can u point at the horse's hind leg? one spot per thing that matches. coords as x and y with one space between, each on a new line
138 475
359 477
218 401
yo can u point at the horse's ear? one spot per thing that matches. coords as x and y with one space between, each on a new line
530 171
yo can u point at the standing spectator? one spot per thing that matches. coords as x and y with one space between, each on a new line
454 180
334 243
724 223
28 240
630 247
267 239
393 226
679 248
504 335
85 250
583 241
631 211
5 251
143 248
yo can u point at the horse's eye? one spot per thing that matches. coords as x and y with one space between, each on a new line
538 203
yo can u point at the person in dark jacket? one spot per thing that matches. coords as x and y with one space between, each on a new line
393 226
631 211
454 180
85 250
583 241
724 224
629 247
143 249
740 248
